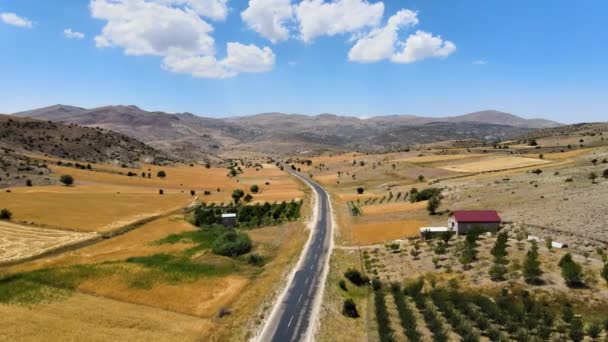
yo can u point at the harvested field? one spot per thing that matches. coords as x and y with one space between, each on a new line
20 242
371 233
437 158
381 209
494 164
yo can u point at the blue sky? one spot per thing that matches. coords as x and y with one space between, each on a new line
427 57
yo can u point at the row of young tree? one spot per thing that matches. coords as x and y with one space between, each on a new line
249 216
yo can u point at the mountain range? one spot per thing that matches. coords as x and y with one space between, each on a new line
194 137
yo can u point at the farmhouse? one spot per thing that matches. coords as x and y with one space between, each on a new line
229 220
463 221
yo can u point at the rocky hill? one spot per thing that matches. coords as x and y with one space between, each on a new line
194 137
71 141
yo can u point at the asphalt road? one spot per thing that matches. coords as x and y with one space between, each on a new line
294 319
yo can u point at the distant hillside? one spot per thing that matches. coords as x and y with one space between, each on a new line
194 137
75 142
574 129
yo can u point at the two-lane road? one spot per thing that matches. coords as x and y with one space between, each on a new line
292 319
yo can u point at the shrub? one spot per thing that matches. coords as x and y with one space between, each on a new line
605 173
255 259
5 214
67 180
192 192
497 272
248 198
28 182
433 204
232 243
571 271
254 189
593 176
349 309
342 285
576 329
355 277
421 178
537 171
605 272
425 194
532 271
161 174
161 191
360 190
594 330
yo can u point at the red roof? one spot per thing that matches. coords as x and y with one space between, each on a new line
476 216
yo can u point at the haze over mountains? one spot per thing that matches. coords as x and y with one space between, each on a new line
191 136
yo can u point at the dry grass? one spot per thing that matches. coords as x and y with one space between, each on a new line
371 233
89 318
437 158
138 242
20 242
335 326
381 209
495 163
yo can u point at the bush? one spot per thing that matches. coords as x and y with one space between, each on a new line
342 285
248 198
28 182
349 309
232 243
255 259
355 277
605 272
67 180
425 194
360 190
161 191
605 173
433 204
5 214
161 174
571 271
237 195
254 189
594 330
532 271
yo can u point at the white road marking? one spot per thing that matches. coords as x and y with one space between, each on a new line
288 324
299 299
306 280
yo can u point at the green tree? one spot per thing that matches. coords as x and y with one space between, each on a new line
421 178
497 272
433 204
594 330
349 309
232 243
5 214
531 266
67 180
237 195
254 189
355 277
161 174
576 329
571 271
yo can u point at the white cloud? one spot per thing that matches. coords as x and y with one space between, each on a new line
269 18
15 20
175 30
422 45
479 62
380 43
317 18
240 58
68 33
212 9
248 58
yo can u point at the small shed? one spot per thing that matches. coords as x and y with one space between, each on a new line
229 220
463 221
433 230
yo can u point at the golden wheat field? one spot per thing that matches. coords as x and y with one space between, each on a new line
381 209
370 233
20 242
89 208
